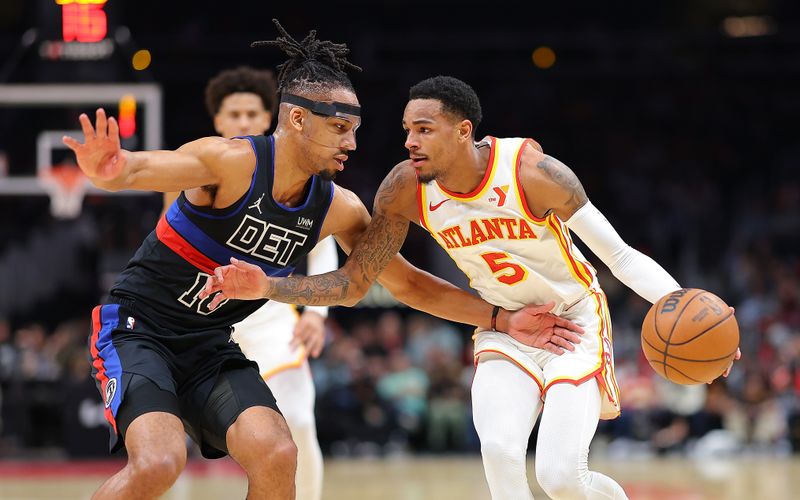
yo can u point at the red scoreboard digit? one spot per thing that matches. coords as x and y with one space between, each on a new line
83 20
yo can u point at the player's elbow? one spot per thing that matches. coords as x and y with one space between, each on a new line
355 292
404 290
354 288
106 185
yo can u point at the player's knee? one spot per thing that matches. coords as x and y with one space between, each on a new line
272 452
284 454
559 479
502 451
160 467
280 453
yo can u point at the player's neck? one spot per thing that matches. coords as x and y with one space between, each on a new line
467 172
289 180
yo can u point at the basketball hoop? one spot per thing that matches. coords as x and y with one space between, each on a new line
66 186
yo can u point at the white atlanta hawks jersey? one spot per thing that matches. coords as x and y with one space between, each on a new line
511 257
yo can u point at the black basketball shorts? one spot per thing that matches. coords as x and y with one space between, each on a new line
135 375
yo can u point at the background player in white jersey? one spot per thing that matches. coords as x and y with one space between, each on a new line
503 211
241 102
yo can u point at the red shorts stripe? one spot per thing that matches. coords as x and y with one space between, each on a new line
99 363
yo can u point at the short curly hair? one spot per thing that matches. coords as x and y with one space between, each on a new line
241 79
457 97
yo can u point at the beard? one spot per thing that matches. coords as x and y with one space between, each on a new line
428 177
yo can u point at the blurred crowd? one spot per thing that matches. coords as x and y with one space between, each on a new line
394 381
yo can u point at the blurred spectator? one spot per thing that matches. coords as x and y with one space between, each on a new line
405 387
448 412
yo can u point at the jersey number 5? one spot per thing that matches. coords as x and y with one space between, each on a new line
508 273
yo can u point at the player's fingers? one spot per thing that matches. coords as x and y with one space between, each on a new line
71 143
569 325
733 309
549 347
216 300
561 342
113 129
567 335
101 123
296 341
209 288
318 344
244 266
736 357
86 126
219 274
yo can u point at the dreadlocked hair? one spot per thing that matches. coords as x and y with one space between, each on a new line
314 66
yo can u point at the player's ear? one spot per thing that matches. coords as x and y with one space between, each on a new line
218 123
297 116
464 131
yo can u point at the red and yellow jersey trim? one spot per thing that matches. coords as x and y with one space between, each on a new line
520 365
423 214
523 203
580 270
487 178
603 372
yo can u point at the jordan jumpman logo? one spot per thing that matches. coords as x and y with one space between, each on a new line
257 204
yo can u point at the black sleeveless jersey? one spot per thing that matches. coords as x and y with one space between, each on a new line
170 269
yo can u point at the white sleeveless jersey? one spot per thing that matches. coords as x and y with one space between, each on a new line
511 257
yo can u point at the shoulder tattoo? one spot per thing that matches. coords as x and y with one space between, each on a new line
564 177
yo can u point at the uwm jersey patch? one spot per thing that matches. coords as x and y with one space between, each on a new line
170 268
511 257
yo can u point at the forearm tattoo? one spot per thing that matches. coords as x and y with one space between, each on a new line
380 242
324 289
566 178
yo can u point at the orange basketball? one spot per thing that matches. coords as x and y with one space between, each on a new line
690 336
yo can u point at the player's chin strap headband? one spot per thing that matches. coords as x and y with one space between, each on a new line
332 109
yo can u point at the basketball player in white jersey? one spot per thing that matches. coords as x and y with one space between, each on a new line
503 211
241 102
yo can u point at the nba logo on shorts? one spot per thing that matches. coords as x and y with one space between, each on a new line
131 323
111 389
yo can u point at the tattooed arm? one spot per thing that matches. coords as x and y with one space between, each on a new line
374 244
557 188
559 191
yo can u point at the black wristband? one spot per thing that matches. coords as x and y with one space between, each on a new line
495 310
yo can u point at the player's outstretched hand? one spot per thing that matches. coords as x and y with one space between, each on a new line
100 156
535 326
310 332
238 280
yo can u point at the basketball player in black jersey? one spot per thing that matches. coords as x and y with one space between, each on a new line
161 356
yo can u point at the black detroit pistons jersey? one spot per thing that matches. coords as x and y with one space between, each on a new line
170 268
